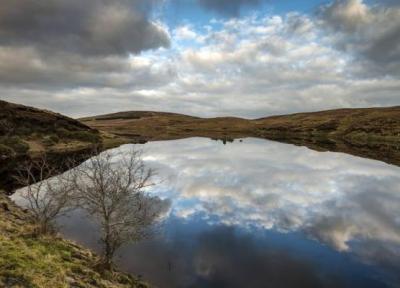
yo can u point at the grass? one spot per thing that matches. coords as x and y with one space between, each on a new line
15 143
21 125
30 261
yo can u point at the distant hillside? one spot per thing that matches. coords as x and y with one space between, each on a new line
377 124
371 132
351 125
141 126
29 130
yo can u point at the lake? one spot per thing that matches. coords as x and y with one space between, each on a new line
257 213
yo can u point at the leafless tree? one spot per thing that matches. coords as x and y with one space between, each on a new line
47 193
111 187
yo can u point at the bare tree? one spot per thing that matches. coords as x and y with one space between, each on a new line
111 188
48 193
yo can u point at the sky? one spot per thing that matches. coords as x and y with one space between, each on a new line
247 58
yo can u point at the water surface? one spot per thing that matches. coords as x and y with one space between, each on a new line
256 213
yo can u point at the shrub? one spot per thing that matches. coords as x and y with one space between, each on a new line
24 130
85 136
46 141
6 152
54 138
50 140
63 133
16 144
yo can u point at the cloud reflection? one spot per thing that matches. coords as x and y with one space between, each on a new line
340 200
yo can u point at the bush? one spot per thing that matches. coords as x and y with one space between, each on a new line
24 130
85 136
54 138
46 141
6 152
63 133
16 144
50 140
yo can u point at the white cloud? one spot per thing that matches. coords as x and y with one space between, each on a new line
252 67
185 32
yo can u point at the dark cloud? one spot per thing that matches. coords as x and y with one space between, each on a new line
92 27
28 68
386 47
345 15
370 33
58 44
221 250
228 7
221 257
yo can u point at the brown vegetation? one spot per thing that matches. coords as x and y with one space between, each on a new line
371 132
25 129
27 133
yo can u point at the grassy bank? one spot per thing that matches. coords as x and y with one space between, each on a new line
30 261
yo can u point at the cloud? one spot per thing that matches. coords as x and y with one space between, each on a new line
252 66
221 256
220 248
185 32
228 7
55 45
91 27
26 67
369 33
348 15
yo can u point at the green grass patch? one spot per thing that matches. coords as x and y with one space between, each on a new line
30 263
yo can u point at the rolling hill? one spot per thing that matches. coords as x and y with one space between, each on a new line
27 132
367 132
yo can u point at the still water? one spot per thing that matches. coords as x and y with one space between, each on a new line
256 213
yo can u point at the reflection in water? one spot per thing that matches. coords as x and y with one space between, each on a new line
266 214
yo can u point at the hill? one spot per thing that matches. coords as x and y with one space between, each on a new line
377 124
27 132
28 260
351 125
142 126
368 132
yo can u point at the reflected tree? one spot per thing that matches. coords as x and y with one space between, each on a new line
111 187
45 195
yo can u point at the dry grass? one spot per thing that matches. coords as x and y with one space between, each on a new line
373 124
372 133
